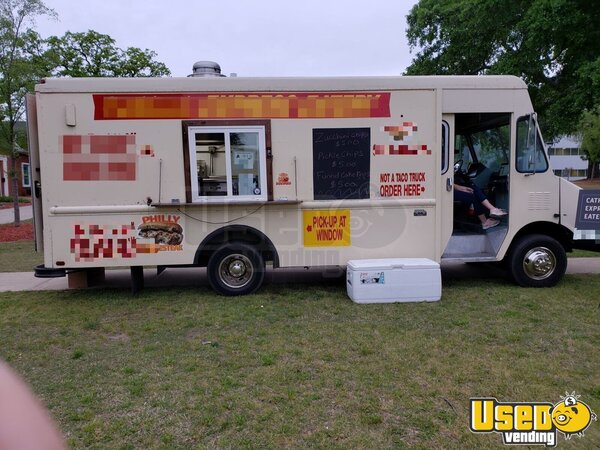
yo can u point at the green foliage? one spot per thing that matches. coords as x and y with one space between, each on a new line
93 54
589 130
19 138
8 199
25 58
21 64
554 45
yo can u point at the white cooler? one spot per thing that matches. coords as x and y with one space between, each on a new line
393 280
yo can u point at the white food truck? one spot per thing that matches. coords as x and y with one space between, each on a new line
234 174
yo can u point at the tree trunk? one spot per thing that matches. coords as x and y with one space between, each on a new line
15 190
592 171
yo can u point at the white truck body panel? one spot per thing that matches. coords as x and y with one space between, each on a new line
114 158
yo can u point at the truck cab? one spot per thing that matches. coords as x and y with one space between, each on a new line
503 155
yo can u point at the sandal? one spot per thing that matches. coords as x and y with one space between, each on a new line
490 223
498 212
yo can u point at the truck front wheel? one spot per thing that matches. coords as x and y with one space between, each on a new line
537 261
235 269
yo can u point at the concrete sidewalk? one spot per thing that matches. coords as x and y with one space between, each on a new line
173 277
196 277
7 215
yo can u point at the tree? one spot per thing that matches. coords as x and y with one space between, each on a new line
93 54
20 66
554 45
25 58
589 132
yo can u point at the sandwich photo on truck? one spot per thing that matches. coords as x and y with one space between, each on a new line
237 174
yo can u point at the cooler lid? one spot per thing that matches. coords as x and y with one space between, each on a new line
392 263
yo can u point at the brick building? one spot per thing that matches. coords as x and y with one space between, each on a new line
23 175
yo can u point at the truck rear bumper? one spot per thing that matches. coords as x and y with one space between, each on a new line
42 271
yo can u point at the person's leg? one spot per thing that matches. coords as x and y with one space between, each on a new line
481 205
478 193
485 203
480 202
468 199
464 197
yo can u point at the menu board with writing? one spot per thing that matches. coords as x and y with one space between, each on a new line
341 163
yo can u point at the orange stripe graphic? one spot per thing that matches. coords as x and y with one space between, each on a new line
242 106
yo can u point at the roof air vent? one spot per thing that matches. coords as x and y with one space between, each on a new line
206 69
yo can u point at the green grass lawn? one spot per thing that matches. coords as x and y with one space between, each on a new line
19 256
583 254
300 366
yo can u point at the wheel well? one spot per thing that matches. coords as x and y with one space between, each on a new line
562 234
236 233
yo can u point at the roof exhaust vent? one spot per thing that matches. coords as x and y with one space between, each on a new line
206 69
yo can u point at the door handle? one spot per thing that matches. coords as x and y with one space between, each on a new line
448 184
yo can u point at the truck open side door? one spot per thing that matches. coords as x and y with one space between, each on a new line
34 161
446 189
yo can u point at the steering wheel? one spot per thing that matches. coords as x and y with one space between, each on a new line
458 166
475 169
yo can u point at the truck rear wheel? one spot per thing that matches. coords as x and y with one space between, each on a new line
537 261
235 269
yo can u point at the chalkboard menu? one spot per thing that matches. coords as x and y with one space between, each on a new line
341 163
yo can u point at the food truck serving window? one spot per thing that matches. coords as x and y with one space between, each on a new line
227 163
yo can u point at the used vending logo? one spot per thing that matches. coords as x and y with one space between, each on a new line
531 423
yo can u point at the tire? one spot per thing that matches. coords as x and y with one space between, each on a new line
235 269
537 261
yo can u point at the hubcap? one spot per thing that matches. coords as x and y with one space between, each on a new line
235 271
539 263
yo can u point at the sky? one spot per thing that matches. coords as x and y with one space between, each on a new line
250 37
